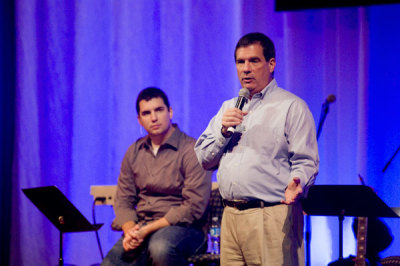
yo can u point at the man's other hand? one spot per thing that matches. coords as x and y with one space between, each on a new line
293 191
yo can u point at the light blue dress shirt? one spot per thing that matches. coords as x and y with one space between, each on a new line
275 143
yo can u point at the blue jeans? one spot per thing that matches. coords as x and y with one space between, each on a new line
171 245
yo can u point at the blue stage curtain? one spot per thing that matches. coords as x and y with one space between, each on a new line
81 64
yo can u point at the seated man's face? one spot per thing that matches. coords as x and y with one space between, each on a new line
154 116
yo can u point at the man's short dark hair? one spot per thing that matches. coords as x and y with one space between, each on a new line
149 93
257 37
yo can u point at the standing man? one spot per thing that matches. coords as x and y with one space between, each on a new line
265 166
162 192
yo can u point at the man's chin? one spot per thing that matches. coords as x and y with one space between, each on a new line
248 86
157 132
154 132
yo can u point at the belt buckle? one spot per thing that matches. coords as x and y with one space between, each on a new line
238 204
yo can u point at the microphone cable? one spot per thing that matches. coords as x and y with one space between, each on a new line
102 199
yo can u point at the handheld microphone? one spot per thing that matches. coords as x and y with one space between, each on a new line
244 95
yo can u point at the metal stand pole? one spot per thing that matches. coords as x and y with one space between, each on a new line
341 218
60 259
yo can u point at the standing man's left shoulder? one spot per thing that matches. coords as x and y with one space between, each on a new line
297 108
291 98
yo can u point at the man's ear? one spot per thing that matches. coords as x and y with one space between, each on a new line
139 120
272 64
171 113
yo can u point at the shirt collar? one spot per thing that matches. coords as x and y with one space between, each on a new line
172 141
270 87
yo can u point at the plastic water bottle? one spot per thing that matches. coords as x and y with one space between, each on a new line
215 231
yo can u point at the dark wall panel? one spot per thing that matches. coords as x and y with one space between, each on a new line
287 5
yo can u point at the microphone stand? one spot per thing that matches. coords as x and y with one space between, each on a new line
390 160
324 113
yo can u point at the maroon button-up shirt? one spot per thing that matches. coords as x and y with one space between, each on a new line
171 184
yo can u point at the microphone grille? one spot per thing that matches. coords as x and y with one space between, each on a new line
244 93
331 98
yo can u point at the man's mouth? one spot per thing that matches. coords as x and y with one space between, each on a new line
247 79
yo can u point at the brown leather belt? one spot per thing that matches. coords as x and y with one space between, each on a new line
244 204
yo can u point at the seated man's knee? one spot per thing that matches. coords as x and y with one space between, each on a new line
172 245
114 255
160 250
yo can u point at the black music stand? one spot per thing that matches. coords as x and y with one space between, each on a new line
60 211
345 200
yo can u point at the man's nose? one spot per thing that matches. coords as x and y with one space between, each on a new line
246 67
153 116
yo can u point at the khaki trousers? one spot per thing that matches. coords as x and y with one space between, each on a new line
268 236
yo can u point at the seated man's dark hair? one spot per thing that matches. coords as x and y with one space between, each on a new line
149 93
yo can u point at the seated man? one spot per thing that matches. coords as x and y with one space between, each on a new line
162 192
